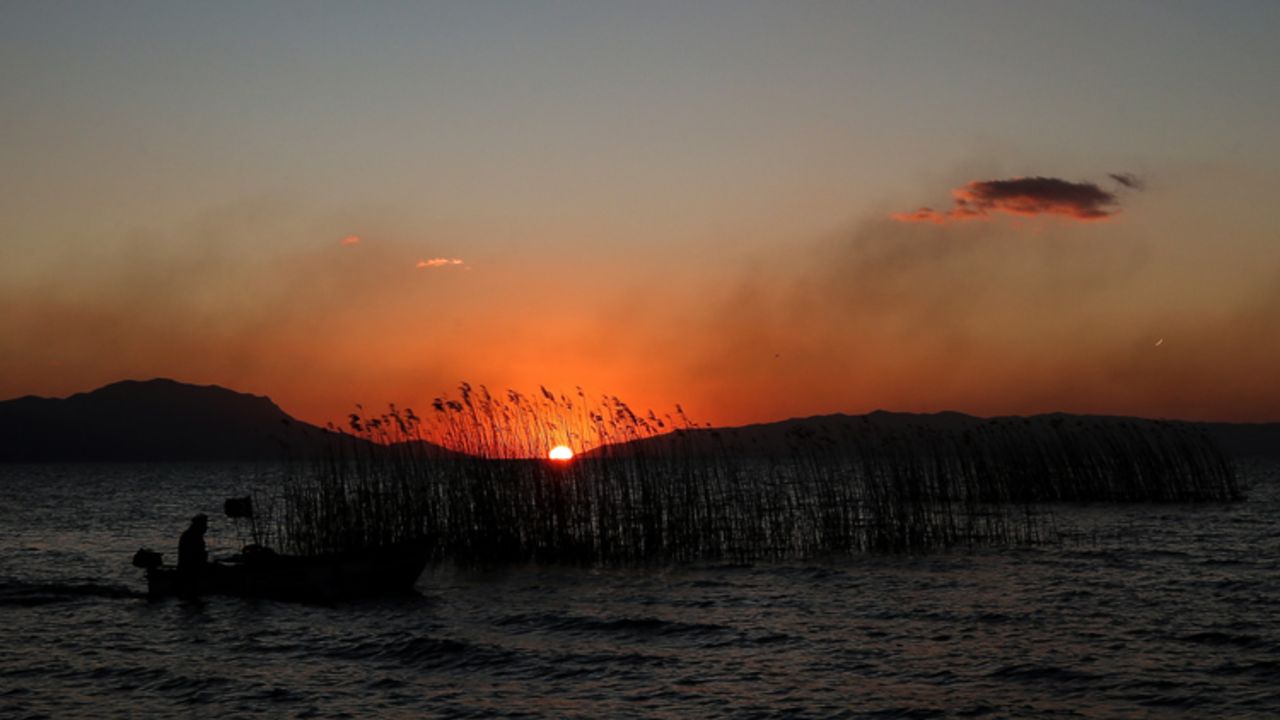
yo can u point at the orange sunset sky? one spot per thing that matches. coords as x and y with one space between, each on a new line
758 210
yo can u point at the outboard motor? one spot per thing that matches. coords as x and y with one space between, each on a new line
241 507
238 509
147 559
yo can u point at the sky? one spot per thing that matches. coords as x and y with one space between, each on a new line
757 210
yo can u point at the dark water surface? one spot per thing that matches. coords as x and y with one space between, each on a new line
1159 610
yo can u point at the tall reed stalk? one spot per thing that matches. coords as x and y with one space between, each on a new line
469 480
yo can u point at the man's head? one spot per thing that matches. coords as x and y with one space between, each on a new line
200 522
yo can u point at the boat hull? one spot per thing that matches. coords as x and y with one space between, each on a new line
375 572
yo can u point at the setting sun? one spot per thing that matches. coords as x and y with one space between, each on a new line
560 452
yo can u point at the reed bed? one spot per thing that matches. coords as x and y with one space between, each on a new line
469 480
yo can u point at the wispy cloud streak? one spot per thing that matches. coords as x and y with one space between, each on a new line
1128 180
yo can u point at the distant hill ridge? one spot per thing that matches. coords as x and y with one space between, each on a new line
157 419
775 438
167 420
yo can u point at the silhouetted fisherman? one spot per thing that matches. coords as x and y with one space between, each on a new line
192 555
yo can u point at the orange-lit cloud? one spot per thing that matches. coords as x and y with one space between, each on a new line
351 240
1026 197
439 262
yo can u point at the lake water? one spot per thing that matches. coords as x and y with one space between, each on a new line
1155 610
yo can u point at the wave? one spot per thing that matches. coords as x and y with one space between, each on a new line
1034 672
644 626
24 594
1213 637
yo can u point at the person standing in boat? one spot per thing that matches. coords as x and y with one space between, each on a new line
192 554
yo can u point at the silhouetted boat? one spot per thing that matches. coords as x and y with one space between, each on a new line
261 573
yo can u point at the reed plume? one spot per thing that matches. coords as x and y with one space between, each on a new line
469 478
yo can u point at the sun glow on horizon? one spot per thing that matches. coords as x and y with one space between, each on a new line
561 453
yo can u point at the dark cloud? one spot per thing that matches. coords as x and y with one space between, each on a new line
1026 197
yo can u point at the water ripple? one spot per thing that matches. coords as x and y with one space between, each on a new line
1158 610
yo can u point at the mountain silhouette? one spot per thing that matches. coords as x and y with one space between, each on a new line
812 434
167 420
161 420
